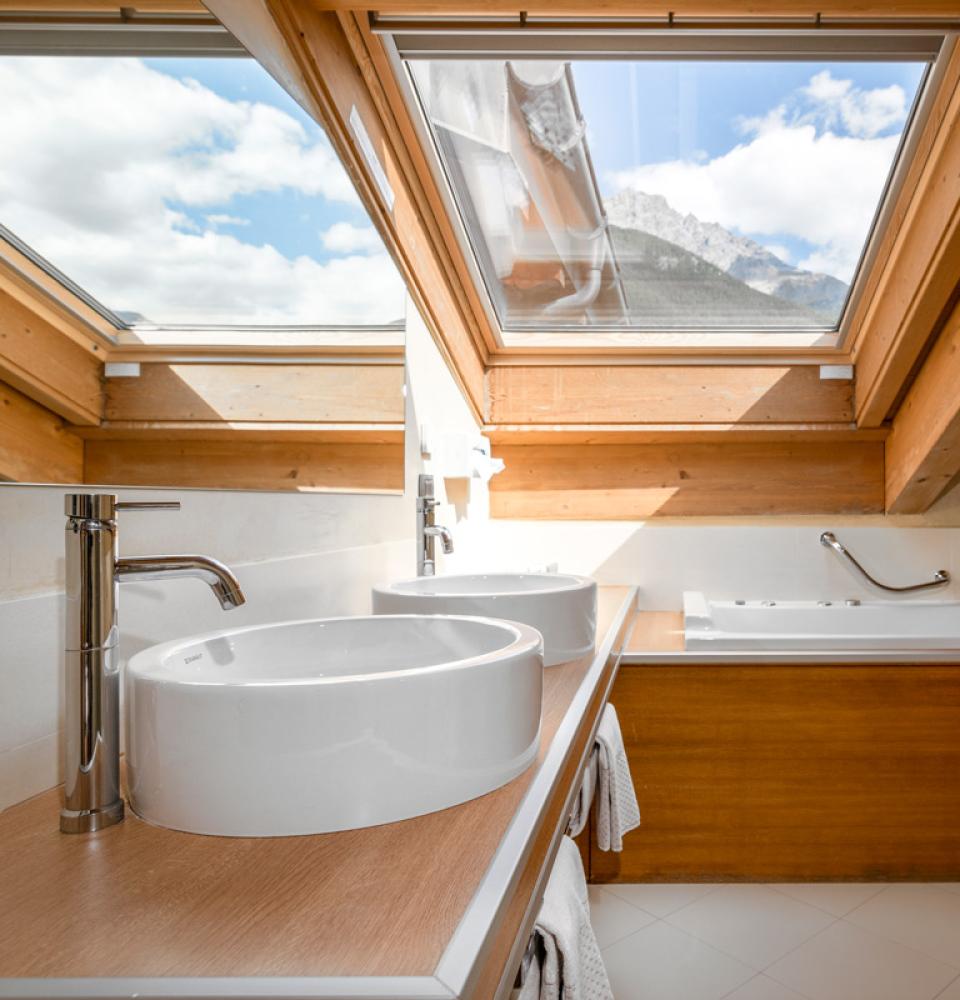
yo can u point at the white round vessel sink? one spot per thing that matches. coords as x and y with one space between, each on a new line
562 607
334 724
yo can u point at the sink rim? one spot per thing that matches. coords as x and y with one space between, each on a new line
406 587
146 666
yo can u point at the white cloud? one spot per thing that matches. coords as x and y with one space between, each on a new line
860 112
344 237
778 250
96 150
789 178
220 219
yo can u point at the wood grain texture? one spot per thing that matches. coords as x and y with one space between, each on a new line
49 367
242 464
923 450
144 901
790 773
682 8
35 445
259 392
527 434
657 632
666 394
914 282
626 482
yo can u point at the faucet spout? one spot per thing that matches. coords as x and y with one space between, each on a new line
437 531
214 573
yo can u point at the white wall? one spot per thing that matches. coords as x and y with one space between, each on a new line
296 555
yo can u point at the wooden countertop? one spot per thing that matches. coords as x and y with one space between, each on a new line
657 632
141 901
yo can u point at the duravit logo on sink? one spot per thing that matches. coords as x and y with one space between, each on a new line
193 659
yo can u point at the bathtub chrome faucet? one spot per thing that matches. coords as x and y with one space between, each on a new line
427 531
92 671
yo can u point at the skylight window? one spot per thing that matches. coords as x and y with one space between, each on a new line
187 191
668 194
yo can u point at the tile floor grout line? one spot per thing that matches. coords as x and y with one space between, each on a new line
802 996
893 940
944 990
883 887
750 965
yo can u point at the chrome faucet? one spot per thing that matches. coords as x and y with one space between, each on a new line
427 531
92 797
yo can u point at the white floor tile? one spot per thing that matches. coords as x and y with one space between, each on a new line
660 899
845 962
613 918
660 962
952 992
838 898
949 886
753 923
762 987
923 917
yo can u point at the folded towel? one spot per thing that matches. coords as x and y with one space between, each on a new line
617 809
567 964
581 807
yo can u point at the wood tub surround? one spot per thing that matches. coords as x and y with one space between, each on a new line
778 769
394 909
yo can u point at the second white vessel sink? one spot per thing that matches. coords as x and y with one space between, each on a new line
315 726
562 607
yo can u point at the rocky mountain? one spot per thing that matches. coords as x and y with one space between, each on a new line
741 258
668 286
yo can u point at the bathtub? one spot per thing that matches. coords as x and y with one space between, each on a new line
816 625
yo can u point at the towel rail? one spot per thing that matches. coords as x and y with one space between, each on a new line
830 540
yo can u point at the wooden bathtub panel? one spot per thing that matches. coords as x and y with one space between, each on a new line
790 772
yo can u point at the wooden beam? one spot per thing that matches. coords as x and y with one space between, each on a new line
343 84
35 445
46 365
262 393
674 394
923 449
912 286
629 482
718 434
680 8
207 430
246 465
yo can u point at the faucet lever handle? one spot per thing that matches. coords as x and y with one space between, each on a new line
147 505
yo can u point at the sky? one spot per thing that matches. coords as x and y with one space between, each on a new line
792 154
187 191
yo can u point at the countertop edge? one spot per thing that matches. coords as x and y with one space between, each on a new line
465 950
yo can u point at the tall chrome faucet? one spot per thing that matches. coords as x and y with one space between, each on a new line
94 569
427 531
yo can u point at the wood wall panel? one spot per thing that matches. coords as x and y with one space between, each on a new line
651 8
665 394
46 365
35 446
790 773
245 465
923 449
299 393
626 482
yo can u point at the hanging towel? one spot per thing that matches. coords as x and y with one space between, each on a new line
617 809
584 800
566 964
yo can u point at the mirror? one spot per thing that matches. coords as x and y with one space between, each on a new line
191 293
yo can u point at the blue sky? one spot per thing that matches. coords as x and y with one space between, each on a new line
692 112
288 219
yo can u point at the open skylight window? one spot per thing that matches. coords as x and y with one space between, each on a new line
189 192
667 194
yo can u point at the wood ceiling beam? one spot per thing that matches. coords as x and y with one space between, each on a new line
35 444
923 449
911 288
679 8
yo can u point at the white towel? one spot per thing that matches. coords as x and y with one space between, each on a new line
567 965
617 809
581 807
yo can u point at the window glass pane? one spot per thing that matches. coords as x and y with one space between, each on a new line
693 195
187 191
